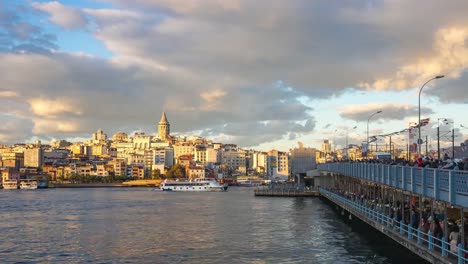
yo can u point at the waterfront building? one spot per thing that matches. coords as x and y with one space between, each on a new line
326 146
136 171
164 128
183 149
9 174
99 150
141 141
233 157
212 155
101 170
120 166
194 172
120 137
279 165
61 144
99 136
200 154
15 157
302 159
185 160
260 162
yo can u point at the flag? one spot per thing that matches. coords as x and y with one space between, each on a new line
424 122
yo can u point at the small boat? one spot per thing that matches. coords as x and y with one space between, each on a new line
42 185
10 185
28 185
196 185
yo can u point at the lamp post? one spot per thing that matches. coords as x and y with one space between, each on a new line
347 132
438 136
378 112
419 111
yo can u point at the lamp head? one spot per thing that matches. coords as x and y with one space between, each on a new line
380 111
439 76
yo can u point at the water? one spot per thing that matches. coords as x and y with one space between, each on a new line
137 225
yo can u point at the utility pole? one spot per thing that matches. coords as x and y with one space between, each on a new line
438 142
426 145
453 143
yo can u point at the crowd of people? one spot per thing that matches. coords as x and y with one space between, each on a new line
425 219
422 162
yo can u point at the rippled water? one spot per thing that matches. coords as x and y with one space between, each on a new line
137 225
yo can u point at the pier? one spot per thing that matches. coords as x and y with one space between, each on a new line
286 189
422 209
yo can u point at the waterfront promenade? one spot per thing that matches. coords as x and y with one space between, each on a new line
422 209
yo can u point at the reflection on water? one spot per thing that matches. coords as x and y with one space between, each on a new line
140 226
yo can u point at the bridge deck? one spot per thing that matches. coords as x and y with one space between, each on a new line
425 245
444 185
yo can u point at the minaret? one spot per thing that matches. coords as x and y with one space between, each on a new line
164 128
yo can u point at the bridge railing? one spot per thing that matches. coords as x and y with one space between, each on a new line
407 232
445 185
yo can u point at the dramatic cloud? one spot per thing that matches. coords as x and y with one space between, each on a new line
64 16
236 69
389 111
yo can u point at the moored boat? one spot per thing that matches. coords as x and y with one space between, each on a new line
196 185
42 185
10 184
28 185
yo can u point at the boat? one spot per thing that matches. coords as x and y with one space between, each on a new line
28 185
42 185
249 183
10 184
196 185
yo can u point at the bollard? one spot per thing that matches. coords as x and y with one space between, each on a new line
401 227
430 246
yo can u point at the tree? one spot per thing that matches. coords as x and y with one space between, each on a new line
176 171
156 174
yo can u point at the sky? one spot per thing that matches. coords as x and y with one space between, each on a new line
262 74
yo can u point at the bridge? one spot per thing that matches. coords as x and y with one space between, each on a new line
420 208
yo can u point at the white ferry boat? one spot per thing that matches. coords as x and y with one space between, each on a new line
196 185
28 185
10 184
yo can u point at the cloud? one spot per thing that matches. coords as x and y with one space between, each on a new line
7 94
62 15
18 34
390 111
214 63
449 57
53 107
51 126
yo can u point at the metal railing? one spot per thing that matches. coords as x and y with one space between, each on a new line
402 230
444 185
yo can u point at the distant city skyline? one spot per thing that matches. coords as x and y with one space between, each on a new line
259 74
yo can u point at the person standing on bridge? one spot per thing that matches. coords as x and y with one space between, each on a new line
415 220
454 239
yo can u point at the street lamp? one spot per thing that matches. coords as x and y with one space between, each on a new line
438 135
346 146
419 111
378 112
347 132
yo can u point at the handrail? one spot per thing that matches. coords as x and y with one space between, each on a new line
405 231
450 186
